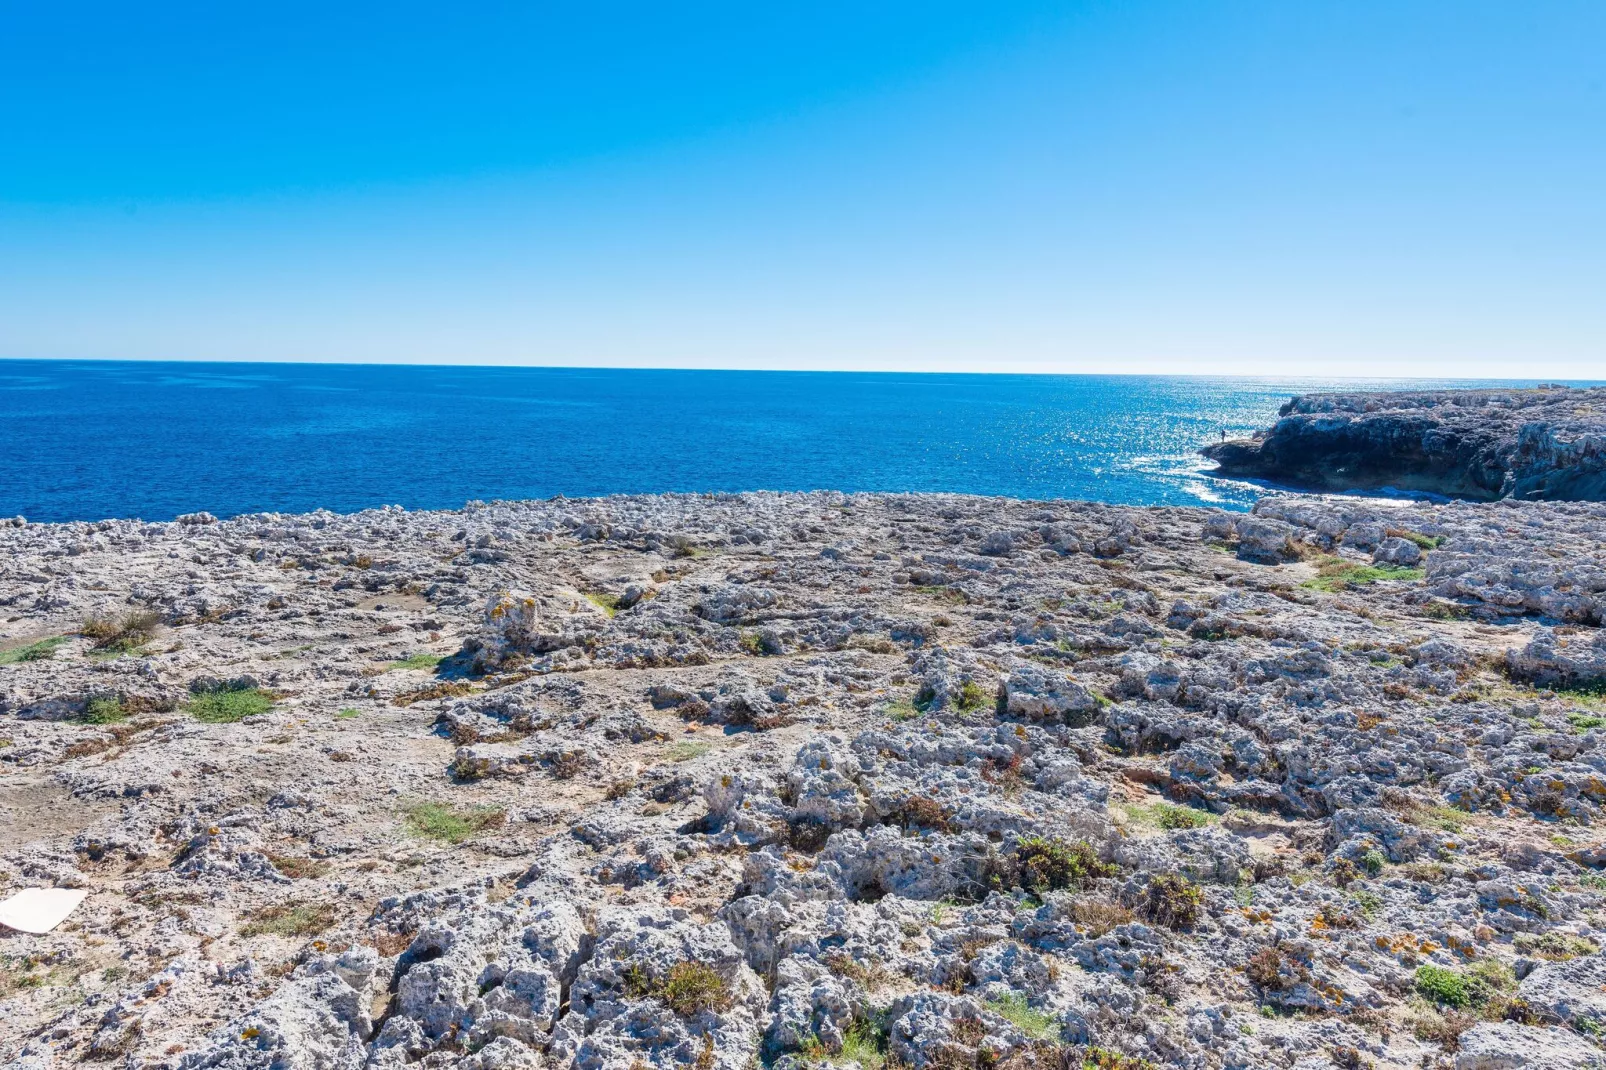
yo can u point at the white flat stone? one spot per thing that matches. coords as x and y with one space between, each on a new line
38 910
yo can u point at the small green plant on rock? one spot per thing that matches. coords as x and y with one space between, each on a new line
901 709
1554 946
608 603
418 661
448 824
1369 903
1052 864
42 650
103 709
1590 693
1180 817
687 749
1446 987
1036 1024
1426 542
1334 574
970 698
693 987
1167 816
1173 901
228 704
865 1042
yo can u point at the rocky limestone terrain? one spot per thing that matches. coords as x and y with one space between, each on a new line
925 781
1547 444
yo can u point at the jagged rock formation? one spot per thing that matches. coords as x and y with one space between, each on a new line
945 782
1535 445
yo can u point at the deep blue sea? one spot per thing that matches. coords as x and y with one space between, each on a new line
91 440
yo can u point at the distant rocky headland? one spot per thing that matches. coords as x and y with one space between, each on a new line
894 782
1547 444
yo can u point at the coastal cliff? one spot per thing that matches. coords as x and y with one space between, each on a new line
931 781
1547 444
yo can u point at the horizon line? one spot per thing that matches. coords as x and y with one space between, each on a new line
311 362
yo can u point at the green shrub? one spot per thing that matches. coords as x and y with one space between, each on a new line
686 750
1368 902
1373 862
970 698
1334 574
1554 946
1173 901
1442 986
865 1042
1180 817
103 709
1051 864
1489 978
349 713
418 661
693 987
448 824
1167 816
1036 1024
43 650
124 634
901 709
229 704
1426 542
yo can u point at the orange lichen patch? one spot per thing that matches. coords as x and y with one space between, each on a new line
1405 942
1368 721
1329 991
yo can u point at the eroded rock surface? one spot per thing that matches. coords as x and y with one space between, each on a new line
782 780
1536 445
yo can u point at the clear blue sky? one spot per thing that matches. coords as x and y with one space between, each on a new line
1282 186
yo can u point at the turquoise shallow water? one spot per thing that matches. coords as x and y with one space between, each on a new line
90 440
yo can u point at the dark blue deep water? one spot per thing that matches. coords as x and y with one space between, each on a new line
90 440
